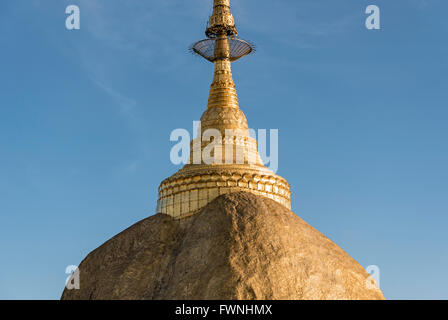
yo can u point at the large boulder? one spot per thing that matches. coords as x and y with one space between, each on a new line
240 246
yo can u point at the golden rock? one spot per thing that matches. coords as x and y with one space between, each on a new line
240 246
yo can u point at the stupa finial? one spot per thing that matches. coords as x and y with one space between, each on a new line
221 21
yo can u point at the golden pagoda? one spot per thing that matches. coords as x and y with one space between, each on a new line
224 157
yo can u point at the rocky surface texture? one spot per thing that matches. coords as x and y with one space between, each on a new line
241 246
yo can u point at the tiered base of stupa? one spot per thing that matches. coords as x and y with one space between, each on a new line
193 187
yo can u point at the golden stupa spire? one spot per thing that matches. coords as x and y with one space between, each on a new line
222 25
224 157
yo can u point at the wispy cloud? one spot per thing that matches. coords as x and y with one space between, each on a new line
134 28
295 25
420 4
126 105
131 168
129 109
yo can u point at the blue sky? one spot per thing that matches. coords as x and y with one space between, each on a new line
85 120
